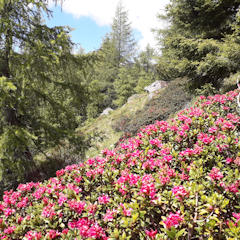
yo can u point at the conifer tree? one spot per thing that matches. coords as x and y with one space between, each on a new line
116 52
200 41
122 36
38 95
124 85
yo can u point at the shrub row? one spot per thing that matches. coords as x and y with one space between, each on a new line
177 179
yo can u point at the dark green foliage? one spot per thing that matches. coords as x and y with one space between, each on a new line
146 73
124 85
203 18
42 100
112 79
202 41
206 90
170 100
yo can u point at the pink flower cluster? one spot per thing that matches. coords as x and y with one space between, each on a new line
215 174
135 182
88 229
104 199
173 220
180 192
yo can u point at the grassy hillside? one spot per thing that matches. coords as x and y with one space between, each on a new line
101 130
106 130
177 179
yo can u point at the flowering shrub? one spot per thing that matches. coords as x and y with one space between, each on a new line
177 179
167 102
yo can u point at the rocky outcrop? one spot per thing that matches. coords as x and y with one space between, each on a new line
155 87
106 111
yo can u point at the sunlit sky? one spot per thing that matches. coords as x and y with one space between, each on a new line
91 20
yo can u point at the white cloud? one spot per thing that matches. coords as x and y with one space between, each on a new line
142 14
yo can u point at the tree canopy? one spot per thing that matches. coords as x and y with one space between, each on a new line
41 100
201 41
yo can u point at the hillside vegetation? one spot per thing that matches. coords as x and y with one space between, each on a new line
177 179
107 130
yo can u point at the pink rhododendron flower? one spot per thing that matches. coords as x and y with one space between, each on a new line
74 187
151 233
96 232
65 231
39 192
237 161
9 211
9 230
109 216
26 187
156 142
227 126
90 161
237 216
104 199
77 206
149 190
180 192
53 234
126 212
62 199
19 220
164 179
92 208
173 220
234 188
205 138
171 173
78 179
31 235
212 129
184 176
215 174
60 172
48 211
133 179
23 203
88 229
229 160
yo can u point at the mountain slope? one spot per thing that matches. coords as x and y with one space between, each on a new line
177 179
106 130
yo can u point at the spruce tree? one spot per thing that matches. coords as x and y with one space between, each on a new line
124 85
200 41
122 36
116 53
38 106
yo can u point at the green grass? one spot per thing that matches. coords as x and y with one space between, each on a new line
106 130
101 129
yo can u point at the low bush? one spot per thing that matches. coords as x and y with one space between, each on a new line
170 100
177 179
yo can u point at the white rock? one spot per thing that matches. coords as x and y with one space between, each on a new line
106 111
154 87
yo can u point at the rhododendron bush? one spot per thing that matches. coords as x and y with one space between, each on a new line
177 179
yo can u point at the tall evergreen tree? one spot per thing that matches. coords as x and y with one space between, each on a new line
115 53
200 42
122 36
146 59
124 85
35 79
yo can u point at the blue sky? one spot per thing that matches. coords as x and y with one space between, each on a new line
85 30
91 20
